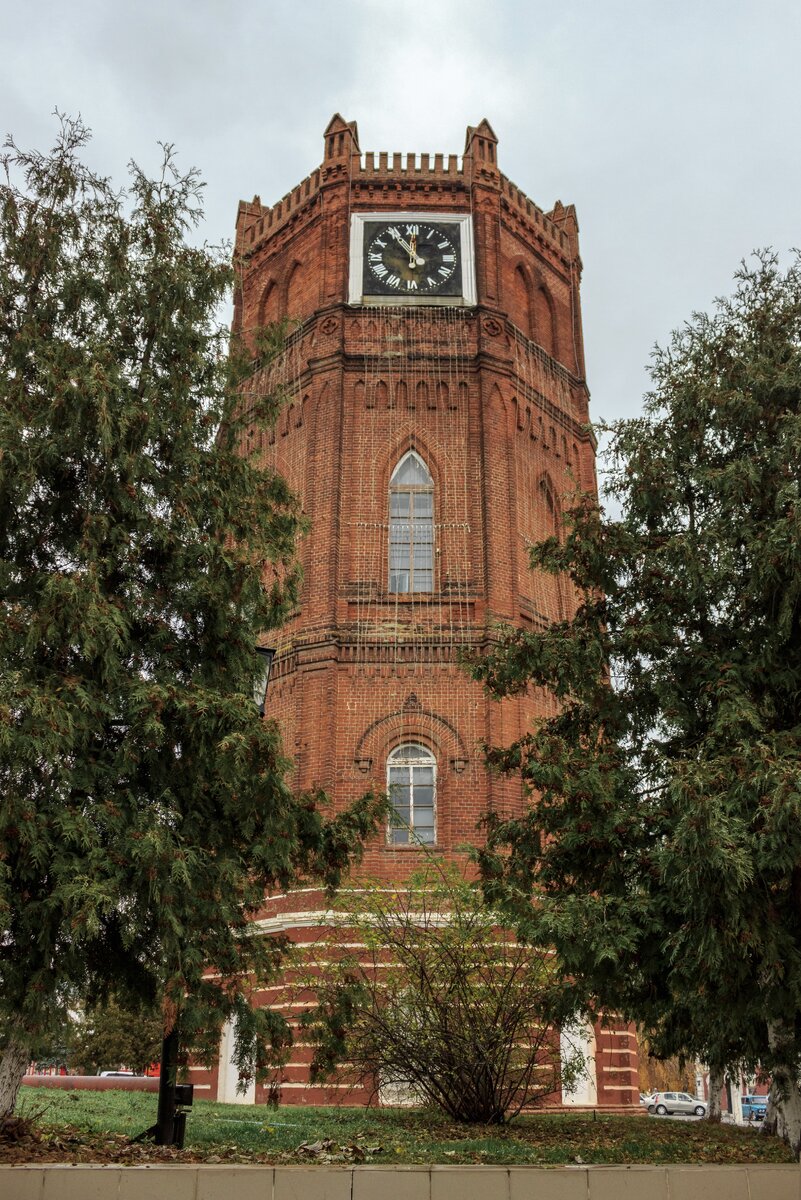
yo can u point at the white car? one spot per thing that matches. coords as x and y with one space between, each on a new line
663 1103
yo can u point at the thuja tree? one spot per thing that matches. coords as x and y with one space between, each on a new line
106 1037
143 807
661 850
424 996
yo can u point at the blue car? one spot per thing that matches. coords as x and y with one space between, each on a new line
754 1107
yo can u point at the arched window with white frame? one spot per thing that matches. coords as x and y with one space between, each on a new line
412 787
411 526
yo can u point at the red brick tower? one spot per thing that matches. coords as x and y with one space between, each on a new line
437 420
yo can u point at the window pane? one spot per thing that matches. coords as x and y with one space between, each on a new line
409 753
399 819
423 582
411 470
423 505
399 582
399 558
423 557
423 534
410 780
399 504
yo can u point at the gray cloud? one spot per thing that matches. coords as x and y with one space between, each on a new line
672 127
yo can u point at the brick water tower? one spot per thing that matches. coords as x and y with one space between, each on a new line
436 424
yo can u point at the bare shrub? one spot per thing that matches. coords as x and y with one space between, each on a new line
421 992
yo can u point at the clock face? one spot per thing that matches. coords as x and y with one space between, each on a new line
412 257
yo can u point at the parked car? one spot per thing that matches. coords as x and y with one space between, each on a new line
663 1103
754 1107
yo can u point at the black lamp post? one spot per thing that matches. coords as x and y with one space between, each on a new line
175 1098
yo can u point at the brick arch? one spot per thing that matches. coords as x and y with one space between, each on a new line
520 297
543 328
508 405
293 293
410 441
546 487
551 526
411 724
269 306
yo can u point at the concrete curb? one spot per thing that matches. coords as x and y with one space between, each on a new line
200 1182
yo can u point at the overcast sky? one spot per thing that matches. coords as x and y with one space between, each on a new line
672 125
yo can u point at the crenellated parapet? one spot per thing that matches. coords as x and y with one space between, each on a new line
373 175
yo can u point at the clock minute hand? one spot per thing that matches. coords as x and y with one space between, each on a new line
418 261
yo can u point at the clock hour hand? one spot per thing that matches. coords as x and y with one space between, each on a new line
414 258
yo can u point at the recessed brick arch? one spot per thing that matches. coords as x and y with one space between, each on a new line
543 328
551 526
269 307
546 487
521 286
411 723
296 301
421 446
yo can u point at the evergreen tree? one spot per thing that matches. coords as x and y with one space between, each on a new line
110 1038
661 850
143 553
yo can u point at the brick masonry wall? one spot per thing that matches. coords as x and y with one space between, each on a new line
494 399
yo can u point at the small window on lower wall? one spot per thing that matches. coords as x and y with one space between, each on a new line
412 787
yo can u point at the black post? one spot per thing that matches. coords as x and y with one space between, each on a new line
165 1120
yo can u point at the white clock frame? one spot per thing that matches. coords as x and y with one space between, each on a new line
465 229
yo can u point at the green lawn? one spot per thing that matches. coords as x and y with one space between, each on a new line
245 1133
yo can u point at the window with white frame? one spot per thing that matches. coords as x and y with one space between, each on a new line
411 526
411 783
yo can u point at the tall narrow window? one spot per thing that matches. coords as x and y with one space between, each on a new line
411 783
411 526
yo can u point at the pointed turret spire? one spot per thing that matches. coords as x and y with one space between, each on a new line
480 141
341 138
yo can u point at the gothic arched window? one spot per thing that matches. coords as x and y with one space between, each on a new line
411 526
411 783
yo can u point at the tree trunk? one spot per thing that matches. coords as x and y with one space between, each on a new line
715 1088
13 1065
770 1122
784 1107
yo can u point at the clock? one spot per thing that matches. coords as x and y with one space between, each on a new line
411 258
407 257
